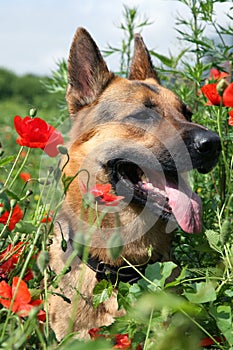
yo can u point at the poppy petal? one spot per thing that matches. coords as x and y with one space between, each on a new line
230 120
104 188
23 295
228 96
210 91
217 75
5 294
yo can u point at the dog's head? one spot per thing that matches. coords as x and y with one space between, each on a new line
137 135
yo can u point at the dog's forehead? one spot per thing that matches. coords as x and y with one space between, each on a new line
124 90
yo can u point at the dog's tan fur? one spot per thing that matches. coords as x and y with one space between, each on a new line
98 103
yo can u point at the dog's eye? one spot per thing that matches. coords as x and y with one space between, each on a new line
186 111
149 104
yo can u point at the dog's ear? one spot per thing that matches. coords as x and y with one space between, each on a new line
141 66
87 71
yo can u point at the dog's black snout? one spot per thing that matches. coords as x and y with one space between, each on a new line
207 147
207 143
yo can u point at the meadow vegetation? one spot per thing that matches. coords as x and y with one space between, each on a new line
200 313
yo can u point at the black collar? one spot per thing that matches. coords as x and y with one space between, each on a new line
115 274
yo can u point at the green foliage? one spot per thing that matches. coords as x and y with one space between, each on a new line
132 24
102 292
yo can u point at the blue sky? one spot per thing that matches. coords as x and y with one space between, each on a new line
34 34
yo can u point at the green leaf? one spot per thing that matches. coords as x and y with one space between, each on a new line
204 293
168 61
25 227
229 293
6 160
157 273
66 180
102 292
160 301
226 231
125 296
67 300
213 239
171 61
43 260
4 201
223 316
12 195
167 268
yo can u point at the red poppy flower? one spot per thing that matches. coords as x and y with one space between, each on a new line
208 341
210 91
217 75
102 195
9 259
22 303
15 217
95 333
25 176
122 341
47 218
230 120
228 96
36 133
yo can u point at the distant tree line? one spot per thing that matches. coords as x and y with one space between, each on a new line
26 89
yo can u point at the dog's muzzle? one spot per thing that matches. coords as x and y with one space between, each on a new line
205 150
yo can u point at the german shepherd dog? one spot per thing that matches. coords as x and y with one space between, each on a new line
137 136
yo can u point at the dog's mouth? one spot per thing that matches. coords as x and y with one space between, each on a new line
167 195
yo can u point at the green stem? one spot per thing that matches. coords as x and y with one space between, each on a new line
20 168
148 330
12 169
225 170
141 274
192 319
46 294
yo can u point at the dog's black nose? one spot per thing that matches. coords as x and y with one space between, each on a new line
208 147
207 143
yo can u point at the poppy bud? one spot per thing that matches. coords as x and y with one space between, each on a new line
62 149
29 193
64 245
13 203
33 112
50 170
2 209
221 86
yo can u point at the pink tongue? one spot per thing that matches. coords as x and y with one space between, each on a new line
186 206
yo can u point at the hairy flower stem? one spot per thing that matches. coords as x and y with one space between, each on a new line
225 173
13 167
20 168
148 331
